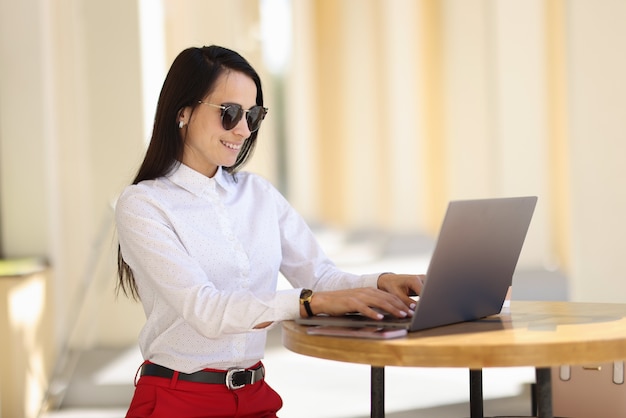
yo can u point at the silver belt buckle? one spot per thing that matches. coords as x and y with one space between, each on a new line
230 376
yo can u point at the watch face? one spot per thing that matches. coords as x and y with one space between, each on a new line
306 294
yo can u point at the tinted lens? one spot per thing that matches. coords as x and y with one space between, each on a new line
254 117
231 115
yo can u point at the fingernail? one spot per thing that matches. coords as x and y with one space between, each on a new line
413 306
380 316
403 313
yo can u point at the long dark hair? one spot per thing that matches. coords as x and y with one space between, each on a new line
191 77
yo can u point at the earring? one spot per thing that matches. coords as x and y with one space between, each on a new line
181 124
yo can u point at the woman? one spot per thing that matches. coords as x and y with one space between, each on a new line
202 244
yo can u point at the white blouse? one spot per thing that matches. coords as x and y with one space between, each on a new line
205 254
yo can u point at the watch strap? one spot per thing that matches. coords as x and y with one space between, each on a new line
305 299
307 307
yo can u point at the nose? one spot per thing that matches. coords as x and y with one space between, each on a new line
242 129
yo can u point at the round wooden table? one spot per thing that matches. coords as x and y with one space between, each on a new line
539 334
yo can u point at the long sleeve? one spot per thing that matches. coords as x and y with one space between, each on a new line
205 254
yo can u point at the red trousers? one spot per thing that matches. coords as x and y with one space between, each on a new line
158 397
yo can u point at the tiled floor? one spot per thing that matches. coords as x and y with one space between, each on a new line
101 386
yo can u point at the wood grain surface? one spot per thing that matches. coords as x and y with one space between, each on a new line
540 334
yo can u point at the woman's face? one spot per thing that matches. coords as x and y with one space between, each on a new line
207 145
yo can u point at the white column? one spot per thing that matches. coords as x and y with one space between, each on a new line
520 143
597 100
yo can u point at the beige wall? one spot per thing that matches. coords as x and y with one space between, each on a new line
597 141
70 137
392 109
482 98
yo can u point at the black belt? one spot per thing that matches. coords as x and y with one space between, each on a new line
233 378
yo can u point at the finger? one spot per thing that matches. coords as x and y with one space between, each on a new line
416 286
372 313
394 305
378 313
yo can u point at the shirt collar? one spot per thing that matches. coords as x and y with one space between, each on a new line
197 183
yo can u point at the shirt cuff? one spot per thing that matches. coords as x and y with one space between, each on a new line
288 304
371 280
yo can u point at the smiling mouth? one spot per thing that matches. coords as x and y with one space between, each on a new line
234 147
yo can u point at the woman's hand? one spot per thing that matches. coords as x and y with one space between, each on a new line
362 300
402 286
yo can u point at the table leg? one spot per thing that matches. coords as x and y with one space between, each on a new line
476 393
377 387
544 392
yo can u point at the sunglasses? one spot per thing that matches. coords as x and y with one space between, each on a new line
232 114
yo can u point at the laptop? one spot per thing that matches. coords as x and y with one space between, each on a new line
470 270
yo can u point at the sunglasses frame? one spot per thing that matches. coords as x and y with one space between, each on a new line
241 113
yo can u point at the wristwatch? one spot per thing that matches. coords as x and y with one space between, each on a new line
305 299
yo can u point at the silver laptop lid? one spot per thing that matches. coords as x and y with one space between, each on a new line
470 270
474 259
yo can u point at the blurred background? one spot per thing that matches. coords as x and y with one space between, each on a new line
381 111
